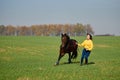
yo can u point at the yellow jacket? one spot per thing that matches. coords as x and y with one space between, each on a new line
87 44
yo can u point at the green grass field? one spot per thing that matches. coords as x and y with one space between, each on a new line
33 58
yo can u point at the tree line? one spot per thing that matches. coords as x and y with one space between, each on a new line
46 30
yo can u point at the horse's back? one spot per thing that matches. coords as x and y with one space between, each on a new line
72 45
72 42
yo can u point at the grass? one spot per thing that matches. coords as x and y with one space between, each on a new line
33 58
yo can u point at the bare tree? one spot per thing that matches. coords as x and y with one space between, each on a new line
46 30
2 29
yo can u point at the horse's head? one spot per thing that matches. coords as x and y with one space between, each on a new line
64 39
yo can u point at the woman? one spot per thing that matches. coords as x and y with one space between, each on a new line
88 46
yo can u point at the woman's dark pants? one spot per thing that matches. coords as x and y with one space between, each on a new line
85 54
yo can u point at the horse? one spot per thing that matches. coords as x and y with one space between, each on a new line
68 46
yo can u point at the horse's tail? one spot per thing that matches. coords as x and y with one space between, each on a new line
74 54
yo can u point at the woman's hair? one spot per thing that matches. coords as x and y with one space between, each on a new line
90 36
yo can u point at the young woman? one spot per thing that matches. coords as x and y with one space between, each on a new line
88 46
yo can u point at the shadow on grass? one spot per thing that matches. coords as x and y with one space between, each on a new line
77 62
91 63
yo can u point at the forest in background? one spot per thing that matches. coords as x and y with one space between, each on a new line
77 29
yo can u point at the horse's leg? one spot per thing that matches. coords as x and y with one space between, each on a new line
69 59
72 55
60 56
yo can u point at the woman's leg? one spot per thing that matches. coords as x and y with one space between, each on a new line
86 57
82 57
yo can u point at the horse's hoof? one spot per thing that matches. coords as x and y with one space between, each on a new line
69 62
56 64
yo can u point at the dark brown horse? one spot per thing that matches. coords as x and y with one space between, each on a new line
68 46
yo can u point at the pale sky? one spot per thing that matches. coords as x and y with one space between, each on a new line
103 15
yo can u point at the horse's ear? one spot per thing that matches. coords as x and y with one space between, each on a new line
62 34
65 34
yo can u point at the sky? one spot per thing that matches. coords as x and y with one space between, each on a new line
102 15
